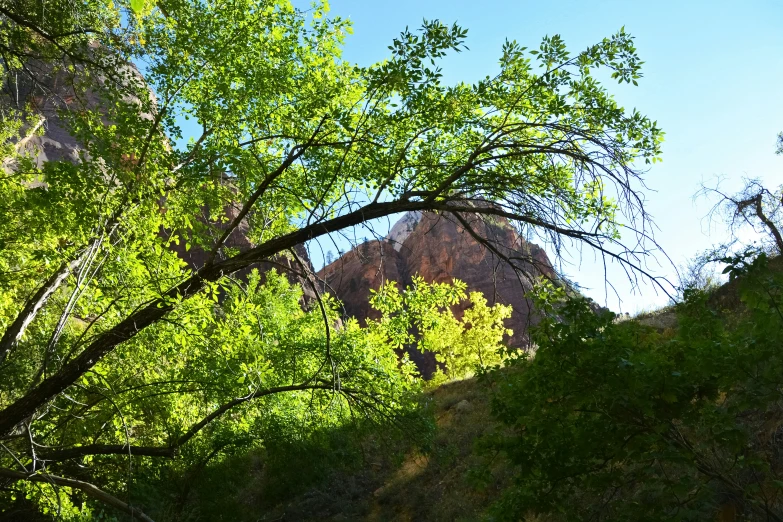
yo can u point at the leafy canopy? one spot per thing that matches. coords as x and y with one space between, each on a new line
113 347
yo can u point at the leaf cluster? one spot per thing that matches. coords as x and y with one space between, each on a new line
422 316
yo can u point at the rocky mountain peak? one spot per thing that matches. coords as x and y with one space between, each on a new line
439 249
403 228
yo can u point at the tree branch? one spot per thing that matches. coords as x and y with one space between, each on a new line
158 308
109 449
295 153
15 331
88 489
211 272
173 450
767 222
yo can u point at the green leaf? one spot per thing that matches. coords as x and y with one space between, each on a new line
137 6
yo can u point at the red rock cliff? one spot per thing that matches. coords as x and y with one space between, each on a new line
440 250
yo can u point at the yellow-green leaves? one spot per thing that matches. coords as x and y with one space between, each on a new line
423 315
142 8
137 6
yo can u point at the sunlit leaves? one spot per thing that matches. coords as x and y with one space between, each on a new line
423 316
286 135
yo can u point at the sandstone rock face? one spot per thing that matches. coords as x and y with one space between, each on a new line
356 272
440 250
403 228
48 89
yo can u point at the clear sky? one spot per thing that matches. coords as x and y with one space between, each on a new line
713 79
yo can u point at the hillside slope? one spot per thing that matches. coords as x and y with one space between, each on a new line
429 472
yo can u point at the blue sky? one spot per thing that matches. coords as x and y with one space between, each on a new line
713 79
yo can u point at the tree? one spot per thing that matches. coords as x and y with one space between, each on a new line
756 207
105 328
616 421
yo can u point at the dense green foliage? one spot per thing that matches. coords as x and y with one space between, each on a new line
118 360
617 421
474 342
